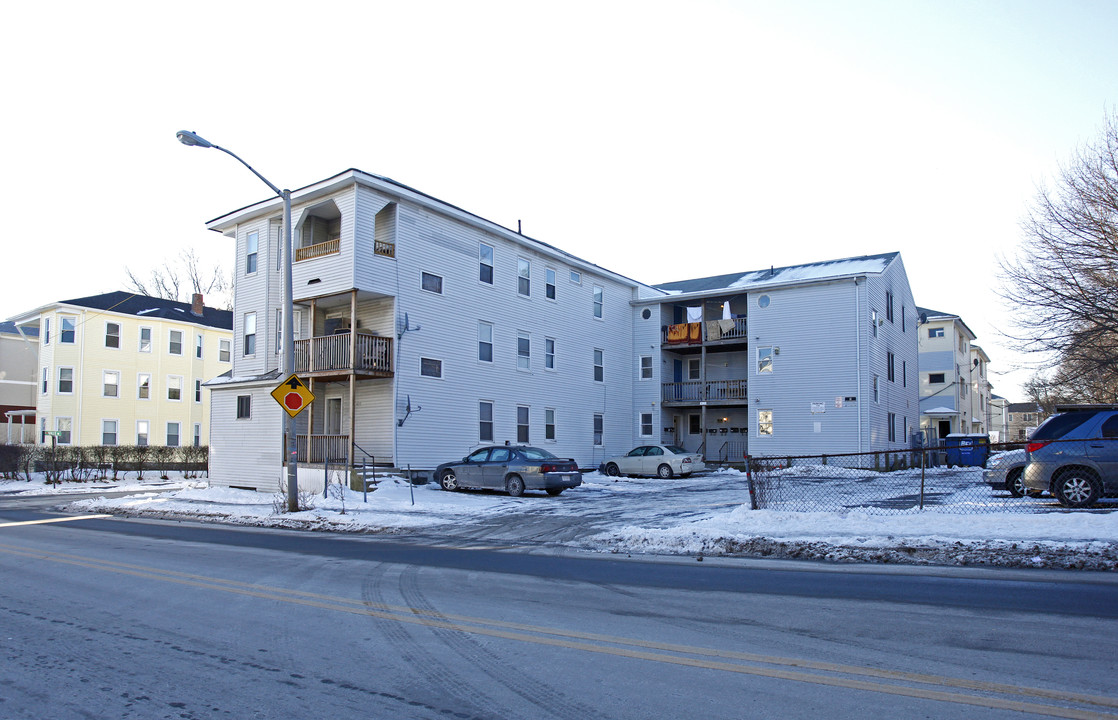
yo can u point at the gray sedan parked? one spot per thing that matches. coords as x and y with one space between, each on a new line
1007 472
512 468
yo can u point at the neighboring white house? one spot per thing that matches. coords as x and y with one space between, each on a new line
424 331
952 371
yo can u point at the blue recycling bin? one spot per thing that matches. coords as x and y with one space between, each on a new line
967 449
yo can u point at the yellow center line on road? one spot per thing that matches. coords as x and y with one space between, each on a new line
53 520
705 658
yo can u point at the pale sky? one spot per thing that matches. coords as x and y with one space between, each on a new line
661 140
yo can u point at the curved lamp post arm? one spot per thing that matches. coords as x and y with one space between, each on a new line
187 137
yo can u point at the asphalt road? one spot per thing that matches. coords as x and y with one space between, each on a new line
105 617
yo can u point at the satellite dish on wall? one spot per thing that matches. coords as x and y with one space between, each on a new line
923 318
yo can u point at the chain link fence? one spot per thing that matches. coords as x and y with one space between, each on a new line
925 479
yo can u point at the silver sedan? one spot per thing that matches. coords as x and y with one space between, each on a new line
655 460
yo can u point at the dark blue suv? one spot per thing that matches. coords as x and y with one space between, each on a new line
1074 455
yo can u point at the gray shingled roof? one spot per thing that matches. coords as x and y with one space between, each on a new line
9 328
144 306
782 275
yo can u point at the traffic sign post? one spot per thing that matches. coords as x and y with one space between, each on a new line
293 395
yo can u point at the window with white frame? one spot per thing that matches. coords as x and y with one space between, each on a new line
198 346
485 421
764 423
890 362
549 424
935 332
522 415
904 373
250 334
523 351
903 318
694 369
174 342
646 367
431 283
764 360
646 424
694 425
143 383
197 390
46 379
145 339
112 335
599 365
64 426
937 378
430 367
244 407
108 432
889 305
197 434
65 381
876 395
523 277
252 245
549 286
485 341
172 434
485 262
873 322
46 331
224 350
110 384
599 428
549 353
891 421
174 387
576 277
69 329
598 292
142 428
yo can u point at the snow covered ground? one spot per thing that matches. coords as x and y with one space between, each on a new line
699 516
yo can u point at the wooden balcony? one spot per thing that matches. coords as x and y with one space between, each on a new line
324 248
333 357
715 392
323 448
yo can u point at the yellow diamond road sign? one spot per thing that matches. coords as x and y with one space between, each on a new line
292 395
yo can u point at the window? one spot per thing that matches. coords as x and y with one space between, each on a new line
429 367
938 379
111 384
646 424
108 432
522 423
64 426
68 328
892 423
694 425
198 346
576 277
764 423
485 259
252 245
597 302
174 342
599 425
523 351
935 332
549 287
46 375
485 421
890 361
523 277
902 318
143 380
889 305
65 380
250 334
141 432
904 373
873 322
46 331
244 407
549 353
549 424
279 330
223 350
962 389
764 360
145 339
197 390
694 370
485 341
174 387
197 434
646 367
876 396
599 365
172 434
112 335
431 283
42 429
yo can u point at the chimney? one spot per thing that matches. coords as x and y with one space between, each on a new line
196 305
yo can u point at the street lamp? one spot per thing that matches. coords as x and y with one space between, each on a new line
186 137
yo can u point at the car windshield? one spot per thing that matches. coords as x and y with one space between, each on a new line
1058 426
533 453
675 450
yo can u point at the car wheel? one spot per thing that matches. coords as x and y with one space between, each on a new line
554 491
515 485
612 470
448 480
664 471
1015 482
1077 488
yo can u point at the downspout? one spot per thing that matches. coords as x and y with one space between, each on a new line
76 436
858 368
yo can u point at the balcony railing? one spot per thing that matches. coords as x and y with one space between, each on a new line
332 353
322 448
386 249
710 331
324 248
695 391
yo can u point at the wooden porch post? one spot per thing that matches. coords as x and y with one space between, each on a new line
352 370
310 340
310 414
352 415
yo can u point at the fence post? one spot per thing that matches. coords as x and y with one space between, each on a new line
921 481
749 476
824 459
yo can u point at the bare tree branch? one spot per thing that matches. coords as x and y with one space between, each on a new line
180 278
